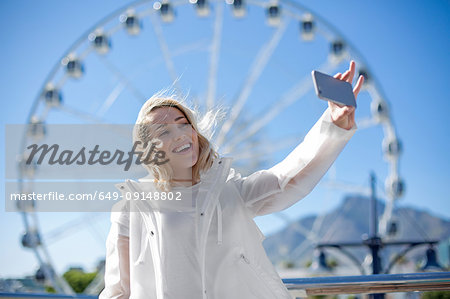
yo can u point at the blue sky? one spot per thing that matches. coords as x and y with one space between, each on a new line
404 42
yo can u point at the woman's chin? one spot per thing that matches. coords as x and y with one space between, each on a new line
188 162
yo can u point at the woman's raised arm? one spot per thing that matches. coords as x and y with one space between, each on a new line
281 186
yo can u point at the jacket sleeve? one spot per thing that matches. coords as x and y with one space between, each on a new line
275 189
117 266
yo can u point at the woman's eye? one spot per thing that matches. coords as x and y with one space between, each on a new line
164 133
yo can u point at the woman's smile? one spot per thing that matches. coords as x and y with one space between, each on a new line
183 149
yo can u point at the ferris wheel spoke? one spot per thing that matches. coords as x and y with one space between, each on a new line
197 45
247 154
62 81
214 59
317 225
112 97
63 231
264 149
332 228
293 95
164 48
298 251
123 79
366 123
45 112
115 93
80 114
345 186
310 236
96 233
351 188
298 227
255 72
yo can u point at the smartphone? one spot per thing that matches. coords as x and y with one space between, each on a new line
331 89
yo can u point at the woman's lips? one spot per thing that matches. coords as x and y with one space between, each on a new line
185 148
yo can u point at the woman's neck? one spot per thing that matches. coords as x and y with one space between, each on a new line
183 182
184 178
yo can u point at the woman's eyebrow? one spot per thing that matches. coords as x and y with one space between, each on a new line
178 118
165 125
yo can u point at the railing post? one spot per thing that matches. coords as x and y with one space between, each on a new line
374 241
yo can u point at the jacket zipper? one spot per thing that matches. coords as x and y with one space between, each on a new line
255 271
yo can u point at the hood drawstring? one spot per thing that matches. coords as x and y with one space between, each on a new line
141 257
145 239
219 223
211 180
149 233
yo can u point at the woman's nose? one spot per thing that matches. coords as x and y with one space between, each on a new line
180 135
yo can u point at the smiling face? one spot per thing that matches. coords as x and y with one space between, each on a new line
177 138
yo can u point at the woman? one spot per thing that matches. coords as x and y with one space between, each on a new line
206 245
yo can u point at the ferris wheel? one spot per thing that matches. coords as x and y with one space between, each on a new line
254 57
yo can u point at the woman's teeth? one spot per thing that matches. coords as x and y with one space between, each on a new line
181 148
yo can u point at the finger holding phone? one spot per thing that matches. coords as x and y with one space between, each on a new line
340 99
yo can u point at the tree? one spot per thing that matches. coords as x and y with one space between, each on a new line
78 279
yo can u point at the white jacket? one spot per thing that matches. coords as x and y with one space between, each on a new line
207 244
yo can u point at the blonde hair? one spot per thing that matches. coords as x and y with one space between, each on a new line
142 137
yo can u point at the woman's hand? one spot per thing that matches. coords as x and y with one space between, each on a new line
344 116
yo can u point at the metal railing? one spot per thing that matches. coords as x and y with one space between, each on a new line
331 285
44 295
368 284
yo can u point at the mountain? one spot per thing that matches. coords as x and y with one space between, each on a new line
348 223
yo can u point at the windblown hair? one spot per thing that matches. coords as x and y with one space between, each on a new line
144 133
